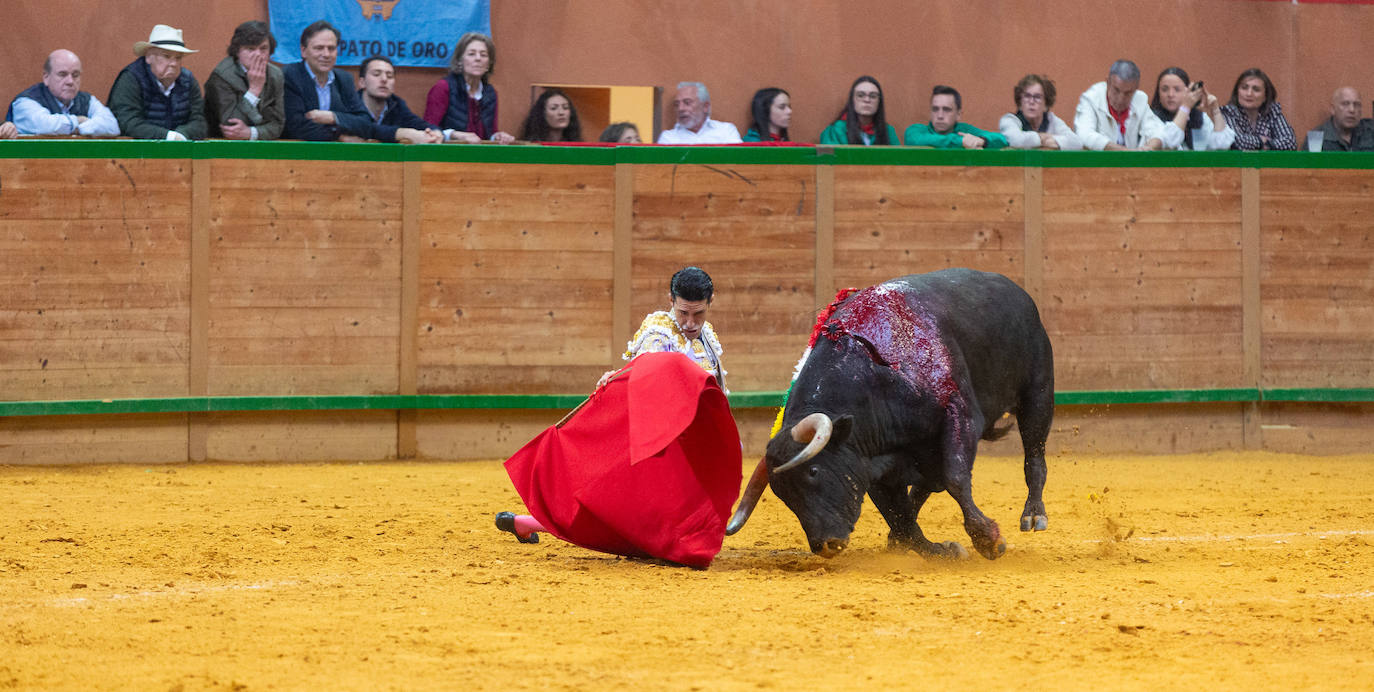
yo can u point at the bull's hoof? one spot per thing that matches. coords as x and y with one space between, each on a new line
948 550
991 550
1038 522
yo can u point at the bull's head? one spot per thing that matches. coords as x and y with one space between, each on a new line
817 475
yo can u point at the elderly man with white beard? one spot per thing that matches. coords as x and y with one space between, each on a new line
694 123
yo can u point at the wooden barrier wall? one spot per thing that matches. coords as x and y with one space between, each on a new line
267 270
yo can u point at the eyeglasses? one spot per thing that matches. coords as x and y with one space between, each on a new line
1033 97
866 95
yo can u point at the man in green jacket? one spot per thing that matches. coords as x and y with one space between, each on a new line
945 131
154 97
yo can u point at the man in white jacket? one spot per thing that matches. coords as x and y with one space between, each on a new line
1115 115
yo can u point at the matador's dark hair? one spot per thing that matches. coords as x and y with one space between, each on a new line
691 283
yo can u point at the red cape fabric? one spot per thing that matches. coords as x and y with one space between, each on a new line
649 467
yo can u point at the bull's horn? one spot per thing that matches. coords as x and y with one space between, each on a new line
814 430
750 498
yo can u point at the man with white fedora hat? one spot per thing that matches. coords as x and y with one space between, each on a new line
154 97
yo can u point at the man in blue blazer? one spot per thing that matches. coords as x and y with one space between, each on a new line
322 102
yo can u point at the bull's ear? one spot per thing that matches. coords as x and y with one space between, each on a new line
842 427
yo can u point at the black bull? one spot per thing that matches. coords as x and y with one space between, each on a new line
903 380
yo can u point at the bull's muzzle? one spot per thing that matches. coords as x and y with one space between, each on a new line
830 547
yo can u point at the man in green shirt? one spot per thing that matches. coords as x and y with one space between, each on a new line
945 131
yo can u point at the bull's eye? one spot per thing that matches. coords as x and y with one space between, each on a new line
813 471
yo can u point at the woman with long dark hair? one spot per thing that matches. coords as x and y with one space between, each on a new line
1191 116
771 114
1254 113
552 118
863 120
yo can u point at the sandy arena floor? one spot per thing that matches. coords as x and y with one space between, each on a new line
1227 571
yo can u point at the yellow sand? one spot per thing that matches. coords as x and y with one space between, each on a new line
1228 571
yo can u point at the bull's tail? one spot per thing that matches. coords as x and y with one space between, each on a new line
995 433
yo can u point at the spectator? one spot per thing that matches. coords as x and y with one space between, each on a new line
1344 130
864 119
463 103
694 123
58 106
321 101
8 130
389 112
771 113
620 133
1115 115
552 118
154 97
243 96
1033 126
945 131
1256 116
1184 108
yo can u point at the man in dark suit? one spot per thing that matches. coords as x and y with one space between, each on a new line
322 103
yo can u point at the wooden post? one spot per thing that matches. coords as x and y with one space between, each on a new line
622 242
825 231
407 375
1252 431
198 375
1034 243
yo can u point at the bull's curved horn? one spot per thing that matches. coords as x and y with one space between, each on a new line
816 427
750 498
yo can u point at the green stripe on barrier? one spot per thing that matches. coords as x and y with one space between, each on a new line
1156 396
760 399
667 155
1354 395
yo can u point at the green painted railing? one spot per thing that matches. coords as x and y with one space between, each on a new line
646 154
766 399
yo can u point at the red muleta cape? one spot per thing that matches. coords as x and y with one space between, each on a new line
649 467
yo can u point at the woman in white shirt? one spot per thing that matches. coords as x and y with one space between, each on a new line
1033 126
1191 116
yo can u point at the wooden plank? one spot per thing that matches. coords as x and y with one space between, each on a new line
1318 428
1131 319
965 235
409 328
1145 429
871 183
1307 183
472 435
89 189
622 259
304 378
1104 291
199 366
91 381
1141 264
97 439
302 436
509 379
1165 183
825 236
1033 261
1251 331
1142 236
246 233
